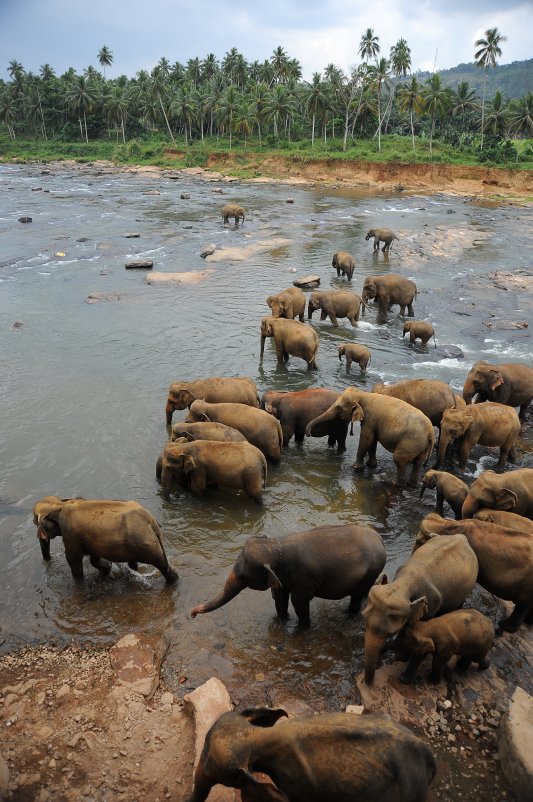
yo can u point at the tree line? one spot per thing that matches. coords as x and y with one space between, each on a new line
266 100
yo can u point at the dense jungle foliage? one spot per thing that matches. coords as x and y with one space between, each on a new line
268 105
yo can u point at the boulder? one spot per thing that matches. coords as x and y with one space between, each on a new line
137 660
25 219
289 200
139 264
516 738
185 196
307 282
192 277
207 251
131 235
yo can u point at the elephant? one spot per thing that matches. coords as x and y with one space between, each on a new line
294 410
181 394
488 424
206 430
400 428
419 330
107 531
290 338
466 633
389 290
289 303
430 396
510 384
436 579
202 463
511 491
233 210
329 562
505 559
355 353
507 519
329 756
384 235
449 488
344 264
259 428
335 304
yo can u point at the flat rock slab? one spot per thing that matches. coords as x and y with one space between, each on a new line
519 279
247 251
137 660
139 264
96 297
516 745
192 277
307 282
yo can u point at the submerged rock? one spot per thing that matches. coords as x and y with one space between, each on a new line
25 219
307 282
192 277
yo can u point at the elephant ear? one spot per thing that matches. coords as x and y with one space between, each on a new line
495 379
273 582
186 397
263 716
507 498
419 608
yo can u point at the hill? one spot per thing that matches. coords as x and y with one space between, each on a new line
513 80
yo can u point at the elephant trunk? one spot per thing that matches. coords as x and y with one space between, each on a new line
444 442
319 427
169 409
469 508
232 588
44 543
373 645
469 392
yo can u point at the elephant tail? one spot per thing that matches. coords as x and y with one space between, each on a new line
430 446
265 472
435 341
280 434
157 532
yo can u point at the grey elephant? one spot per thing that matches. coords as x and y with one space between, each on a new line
354 353
233 210
330 562
384 235
344 264
106 531
330 756
389 290
289 303
291 338
335 304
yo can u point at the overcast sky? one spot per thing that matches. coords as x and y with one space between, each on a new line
69 33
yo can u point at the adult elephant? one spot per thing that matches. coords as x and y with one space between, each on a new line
181 394
259 428
106 531
289 303
335 304
488 424
200 464
389 290
508 383
344 264
295 410
206 430
291 338
436 579
233 210
505 558
430 396
329 562
509 519
384 235
400 428
510 492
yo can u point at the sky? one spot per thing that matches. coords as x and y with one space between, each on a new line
69 33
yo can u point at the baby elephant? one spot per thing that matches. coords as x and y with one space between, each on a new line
449 488
233 210
466 633
344 264
354 353
338 757
384 235
419 330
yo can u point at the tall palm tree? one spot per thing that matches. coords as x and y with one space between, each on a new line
497 121
244 118
521 116
105 57
279 107
379 75
400 58
411 100
280 65
437 101
183 108
8 111
116 108
46 72
159 90
368 48
194 71
260 98
228 105
81 97
464 100
209 67
315 101
489 50
14 68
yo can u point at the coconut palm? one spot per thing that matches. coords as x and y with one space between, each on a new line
279 107
209 67
15 68
46 72
400 58
183 108
368 48
202 104
379 75
159 89
497 120
105 57
489 50
227 108
315 101
437 101
411 101
9 111
194 71
464 100
116 108
260 98
81 96
280 65
521 116
244 118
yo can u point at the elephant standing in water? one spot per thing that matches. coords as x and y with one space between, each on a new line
289 303
295 410
384 235
510 384
389 290
291 338
107 531
344 264
181 394
233 210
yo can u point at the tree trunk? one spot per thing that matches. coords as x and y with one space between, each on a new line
313 133
166 118
412 131
483 106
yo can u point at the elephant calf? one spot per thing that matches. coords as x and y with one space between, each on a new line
466 633
335 304
233 210
289 303
344 264
340 757
419 330
107 531
449 488
486 424
384 235
330 562
354 353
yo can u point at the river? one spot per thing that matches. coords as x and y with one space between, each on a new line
85 385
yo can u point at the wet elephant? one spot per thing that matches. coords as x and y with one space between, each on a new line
181 394
430 396
206 430
384 235
507 519
419 330
486 424
289 303
329 562
511 492
436 579
509 383
449 488
390 290
295 410
338 757
335 304
233 210
106 531
344 264
291 338
354 352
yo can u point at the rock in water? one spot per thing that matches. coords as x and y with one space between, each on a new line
139 264
207 251
307 282
25 219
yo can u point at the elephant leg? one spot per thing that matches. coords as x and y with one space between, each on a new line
511 456
286 356
372 461
198 481
311 365
523 408
333 318
331 439
463 452
323 315
400 471
410 309
415 471
439 507
517 617
279 351
528 618
412 667
355 604
75 561
504 455
437 665
103 565
366 442
340 435
301 607
281 600
252 486
348 363
463 663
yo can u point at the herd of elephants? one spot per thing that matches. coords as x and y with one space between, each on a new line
228 437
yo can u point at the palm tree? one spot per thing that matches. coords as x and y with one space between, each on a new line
400 58
209 67
8 111
46 72
489 51
227 109
521 116
81 96
315 101
280 65
464 100
260 98
244 118
411 100
105 57
379 75
116 107
279 107
437 101
368 48
498 116
159 89
194 71
15 68
184 109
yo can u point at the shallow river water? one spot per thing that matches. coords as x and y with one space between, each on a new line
84 389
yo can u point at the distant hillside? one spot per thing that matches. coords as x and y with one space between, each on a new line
513 80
